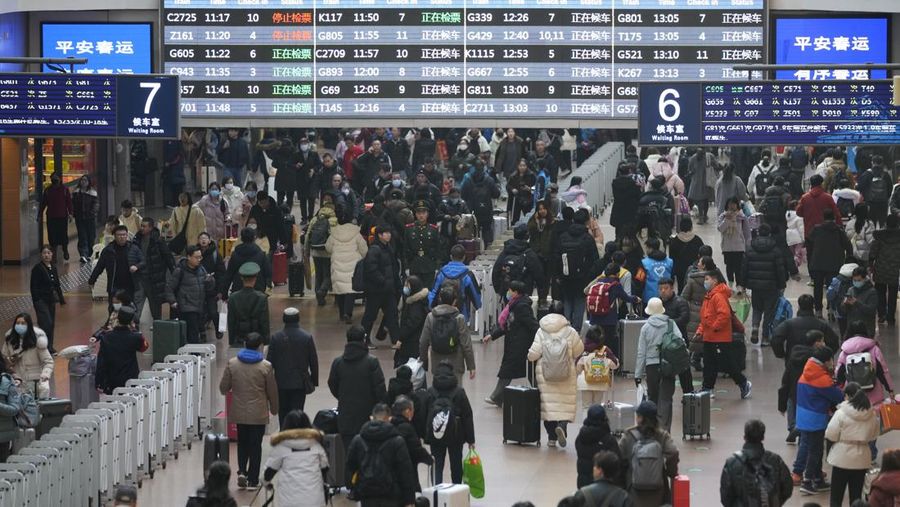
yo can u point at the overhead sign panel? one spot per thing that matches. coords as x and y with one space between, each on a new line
831 40
110 48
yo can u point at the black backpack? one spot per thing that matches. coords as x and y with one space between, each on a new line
846 207
572 256
456 282
444 334
759 482
513 268
318 235
358 281
773 207
879 189
841 180
763 180
373 480
441 424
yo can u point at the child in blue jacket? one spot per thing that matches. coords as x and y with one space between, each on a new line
817 395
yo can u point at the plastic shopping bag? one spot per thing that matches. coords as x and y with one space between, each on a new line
473 473
741 307
223 316
641 394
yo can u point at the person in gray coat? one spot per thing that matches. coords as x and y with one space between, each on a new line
702 173
660 388
861 302
8 429
462 357
187 291
292 353
728 186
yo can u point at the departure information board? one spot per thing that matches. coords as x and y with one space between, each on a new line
768 112
89 105
448 58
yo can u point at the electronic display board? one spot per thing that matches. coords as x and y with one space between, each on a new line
89 105
768 112
448 58
830 40
110 48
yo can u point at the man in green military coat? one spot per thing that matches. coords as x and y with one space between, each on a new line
248 308
423 248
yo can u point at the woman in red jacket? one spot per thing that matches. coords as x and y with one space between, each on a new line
716 332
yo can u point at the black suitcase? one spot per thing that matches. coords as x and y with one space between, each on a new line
295 279
522 415
52 412
215 448
337 459
696 415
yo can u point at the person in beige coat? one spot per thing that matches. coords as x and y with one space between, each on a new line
26 354
254 395
853 428
346 247
188 212
559 400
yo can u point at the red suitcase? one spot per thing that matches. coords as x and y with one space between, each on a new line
279 268
681 491
473 248
232 427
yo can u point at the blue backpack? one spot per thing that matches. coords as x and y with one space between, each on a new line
783 312
837 289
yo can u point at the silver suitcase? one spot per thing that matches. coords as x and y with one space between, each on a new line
47 491
180 400
6 493
157 434
133 450
621 417
105 477
167 406
28 487
70 487
90 424
15 494
65 483
82 388
194 389
209 375
81 439
629 332
143 415
119 438
55 460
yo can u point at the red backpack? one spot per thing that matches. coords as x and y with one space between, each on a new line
598 300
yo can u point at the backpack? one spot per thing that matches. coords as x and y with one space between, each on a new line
373 479
444 339
879 189
841 180
513 268
556 363
837 289
318 234
572 257
773 207
655 217
759 482
441 425
29 414
456 282
597 368
846 207
674 357
783 312
358 281
860 368
598 300
799 158
763 180
646 463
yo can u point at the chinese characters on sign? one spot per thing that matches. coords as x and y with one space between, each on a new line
110 48
802 41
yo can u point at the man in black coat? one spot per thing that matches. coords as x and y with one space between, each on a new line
308 178
382 284
395 486
795 363
366 167
733 488
793 331
626 194
446 386
117 359
269 220
247 251
479 191
576 257
679 310
403 411
605 490
518 261
518 330
159 262
122 260
292 353
765 274
356 380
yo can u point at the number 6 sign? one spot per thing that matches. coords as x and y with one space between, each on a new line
669 114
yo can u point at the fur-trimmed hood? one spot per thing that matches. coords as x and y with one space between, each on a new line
299 434
39 334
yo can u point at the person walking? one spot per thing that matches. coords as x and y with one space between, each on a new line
26 355
859 341
643 486
540 239
447 401
875 185
57 202
694 292
604 491
715 330
577 256
479 192
729 187
234 201
85 206
187 218
684 249
214 265
298 461
593 438
517 261
795 363
702 170
117 360
346 247
852 427
251 381
292 352
248 308
382 284
234 154
816 395
446 336
827 245
750 462
679 310
607 317
626 194
455 273
46 293
813 205
735 230
518 326
215 211
660 387
314 246
764 272
129 217
121 260
885 261
187 292
657 266
861 302
159 263
247 251
555 350
215 491
412 319
357 382
403 411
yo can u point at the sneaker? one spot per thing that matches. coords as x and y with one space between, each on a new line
765 343
551 443
807 487
561 436
371 346
83 260
796 479
746 390
792 437
754 336
219 335
252 486
491 402
242 481
822 485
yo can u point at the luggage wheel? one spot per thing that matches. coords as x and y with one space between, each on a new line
164 465
141 482
176 453
189 446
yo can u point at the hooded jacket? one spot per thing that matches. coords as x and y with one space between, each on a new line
534 268
117 361
657 266
382 271
883 378
650 339
764 266
812 206
469 291
346 247
479 192
816 395
32 364
412 318
251 380
521 327
792 332
463 358
446 385
558 397
885 256
865 308
885 489
851 430
735 231
382 437
715 315
540 237
827 245
694 292
417 453
626 194
299 458
242 254
356 380
588 257
592 439
733 491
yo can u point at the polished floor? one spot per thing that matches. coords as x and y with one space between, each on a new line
540 474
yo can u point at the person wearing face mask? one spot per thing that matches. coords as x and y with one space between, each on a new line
386 181
761 177
86 205
412 318
309 178
479 191
423 189
460 161
269 219
119 299
234 154
57 201
329 170
450 211
129 217
121 260
46 292
117 361
215 210
214 264
234 200
518 326
248 201
187 290
861 302
366 166
26 353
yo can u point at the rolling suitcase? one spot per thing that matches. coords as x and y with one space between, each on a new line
621 416
295 279
52 412
232 426
43 479
337 457
279 268
681 491
226 246
17 482
215 448
629 332
168 336
28 486
82 389
81 440
447 495
473 248
695 413
522 415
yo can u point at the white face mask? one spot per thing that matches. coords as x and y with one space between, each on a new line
229 186
304 147
251 226
116 306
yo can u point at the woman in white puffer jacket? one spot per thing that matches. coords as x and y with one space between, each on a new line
25 352
851 428
298 459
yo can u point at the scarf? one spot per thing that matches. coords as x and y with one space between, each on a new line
504 314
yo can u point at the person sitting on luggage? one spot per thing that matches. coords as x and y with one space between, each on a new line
556 377
645 488
299 461
604 491
214 492
117 361
403 412
660 383
594 437
517 324
446 421
733 487
457 272
446 336
376 487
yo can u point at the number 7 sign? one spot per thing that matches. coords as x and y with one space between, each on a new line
154 87
148 106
